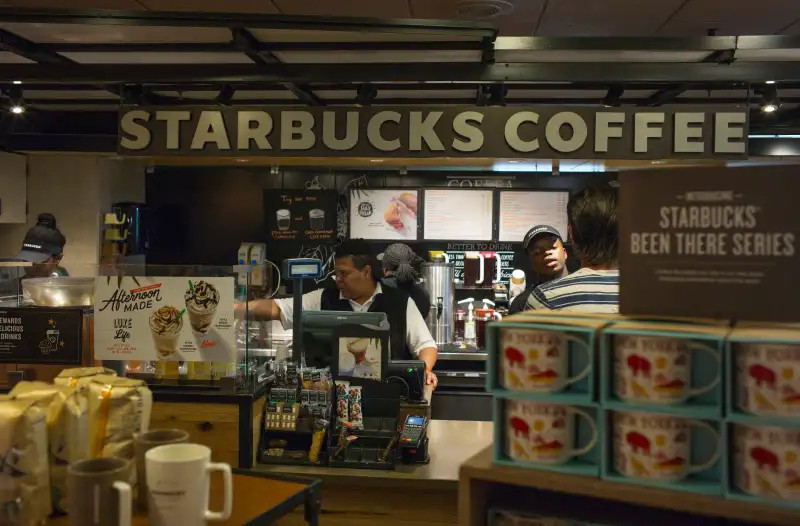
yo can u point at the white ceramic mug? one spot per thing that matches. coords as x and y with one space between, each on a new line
657 370
767 378
766 461
657 447
540 433
178 477
535 360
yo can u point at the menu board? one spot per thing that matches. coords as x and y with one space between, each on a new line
385 215
301 215
465 215
151 318
41 335
520 211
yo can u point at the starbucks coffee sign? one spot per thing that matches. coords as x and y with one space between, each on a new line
494 132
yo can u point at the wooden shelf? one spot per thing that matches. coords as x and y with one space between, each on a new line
479 473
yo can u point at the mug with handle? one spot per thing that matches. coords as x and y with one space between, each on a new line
544 433
178 485
144 442
696 391
586 370
99 492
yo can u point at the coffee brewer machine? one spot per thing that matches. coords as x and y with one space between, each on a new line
439 279
481 269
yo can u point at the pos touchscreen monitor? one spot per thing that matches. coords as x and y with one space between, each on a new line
320 332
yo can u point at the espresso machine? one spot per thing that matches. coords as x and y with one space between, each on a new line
439 277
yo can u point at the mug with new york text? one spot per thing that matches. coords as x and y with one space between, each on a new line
658 447
766 461
542 433
534 360
767 378
658 370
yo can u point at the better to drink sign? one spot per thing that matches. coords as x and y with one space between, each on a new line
710 242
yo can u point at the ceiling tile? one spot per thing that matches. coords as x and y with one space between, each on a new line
564 18
102 34
119 5
158 58
265 7
732 17
362 8
516 18
11 58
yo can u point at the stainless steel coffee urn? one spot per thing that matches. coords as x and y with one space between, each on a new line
439 278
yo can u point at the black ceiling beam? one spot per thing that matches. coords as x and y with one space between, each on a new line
248 20
248 44
614 43
613 72
227 47
667 95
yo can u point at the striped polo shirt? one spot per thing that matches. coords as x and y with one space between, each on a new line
585 290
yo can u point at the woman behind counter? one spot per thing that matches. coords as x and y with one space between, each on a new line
44 247
398 262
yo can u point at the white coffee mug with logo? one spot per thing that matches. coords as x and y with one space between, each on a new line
178 485
541 433
657 447
766 461
658 370
534 360
767 380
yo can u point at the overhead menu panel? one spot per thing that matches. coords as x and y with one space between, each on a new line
520 211
464 215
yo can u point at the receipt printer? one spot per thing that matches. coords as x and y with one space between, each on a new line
413 441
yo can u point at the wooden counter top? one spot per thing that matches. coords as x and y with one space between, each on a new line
481 469
452 442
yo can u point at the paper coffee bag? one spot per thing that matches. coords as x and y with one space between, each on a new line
80 376
67 430
118 408
24 476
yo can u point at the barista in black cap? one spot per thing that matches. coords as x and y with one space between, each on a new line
44 247
548 259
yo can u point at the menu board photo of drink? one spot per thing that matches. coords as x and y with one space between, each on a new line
521 210
152 318
301 215
465 215
384 215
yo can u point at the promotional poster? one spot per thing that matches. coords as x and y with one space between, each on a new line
384 215
174 318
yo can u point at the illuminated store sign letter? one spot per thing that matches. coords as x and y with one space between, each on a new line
729 132
329 131
688 126
135 136
297 123
472 134
423 129
258 133
643 132
173 120
210 128
552 131
512 131
603 131
374 131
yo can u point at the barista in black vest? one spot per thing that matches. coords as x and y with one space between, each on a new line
548 257
357 289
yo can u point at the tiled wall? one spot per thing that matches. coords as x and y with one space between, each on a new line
77 189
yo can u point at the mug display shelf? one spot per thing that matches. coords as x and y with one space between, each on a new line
480 475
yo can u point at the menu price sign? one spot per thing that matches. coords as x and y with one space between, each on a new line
465 215
301 215
41 335
520 211
384 215
152 318
713 243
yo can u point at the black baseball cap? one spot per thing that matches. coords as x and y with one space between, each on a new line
43 241
537 231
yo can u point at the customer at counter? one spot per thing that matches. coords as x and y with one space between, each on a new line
358 289
548 257
44 247
593 229
398 262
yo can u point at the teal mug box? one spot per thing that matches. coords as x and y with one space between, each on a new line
673 452
673 368
547 436
544 359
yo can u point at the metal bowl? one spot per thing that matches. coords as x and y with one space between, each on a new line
59 292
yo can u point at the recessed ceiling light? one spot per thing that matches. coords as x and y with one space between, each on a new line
242 160
769 108
376 160
770 82
17 82
658 162
18 110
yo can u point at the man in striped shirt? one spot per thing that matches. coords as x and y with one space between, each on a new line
592 216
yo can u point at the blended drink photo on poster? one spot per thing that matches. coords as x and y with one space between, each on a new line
165 318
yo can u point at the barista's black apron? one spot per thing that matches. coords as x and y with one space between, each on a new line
391 302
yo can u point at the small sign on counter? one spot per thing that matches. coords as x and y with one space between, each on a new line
41 335
301 215
710 242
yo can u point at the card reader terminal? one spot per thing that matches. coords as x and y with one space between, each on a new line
413 441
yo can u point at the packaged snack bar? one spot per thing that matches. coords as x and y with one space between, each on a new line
24 477
320 426
306 376
342 405
81 376
316 380
356 416
67 430
118 408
